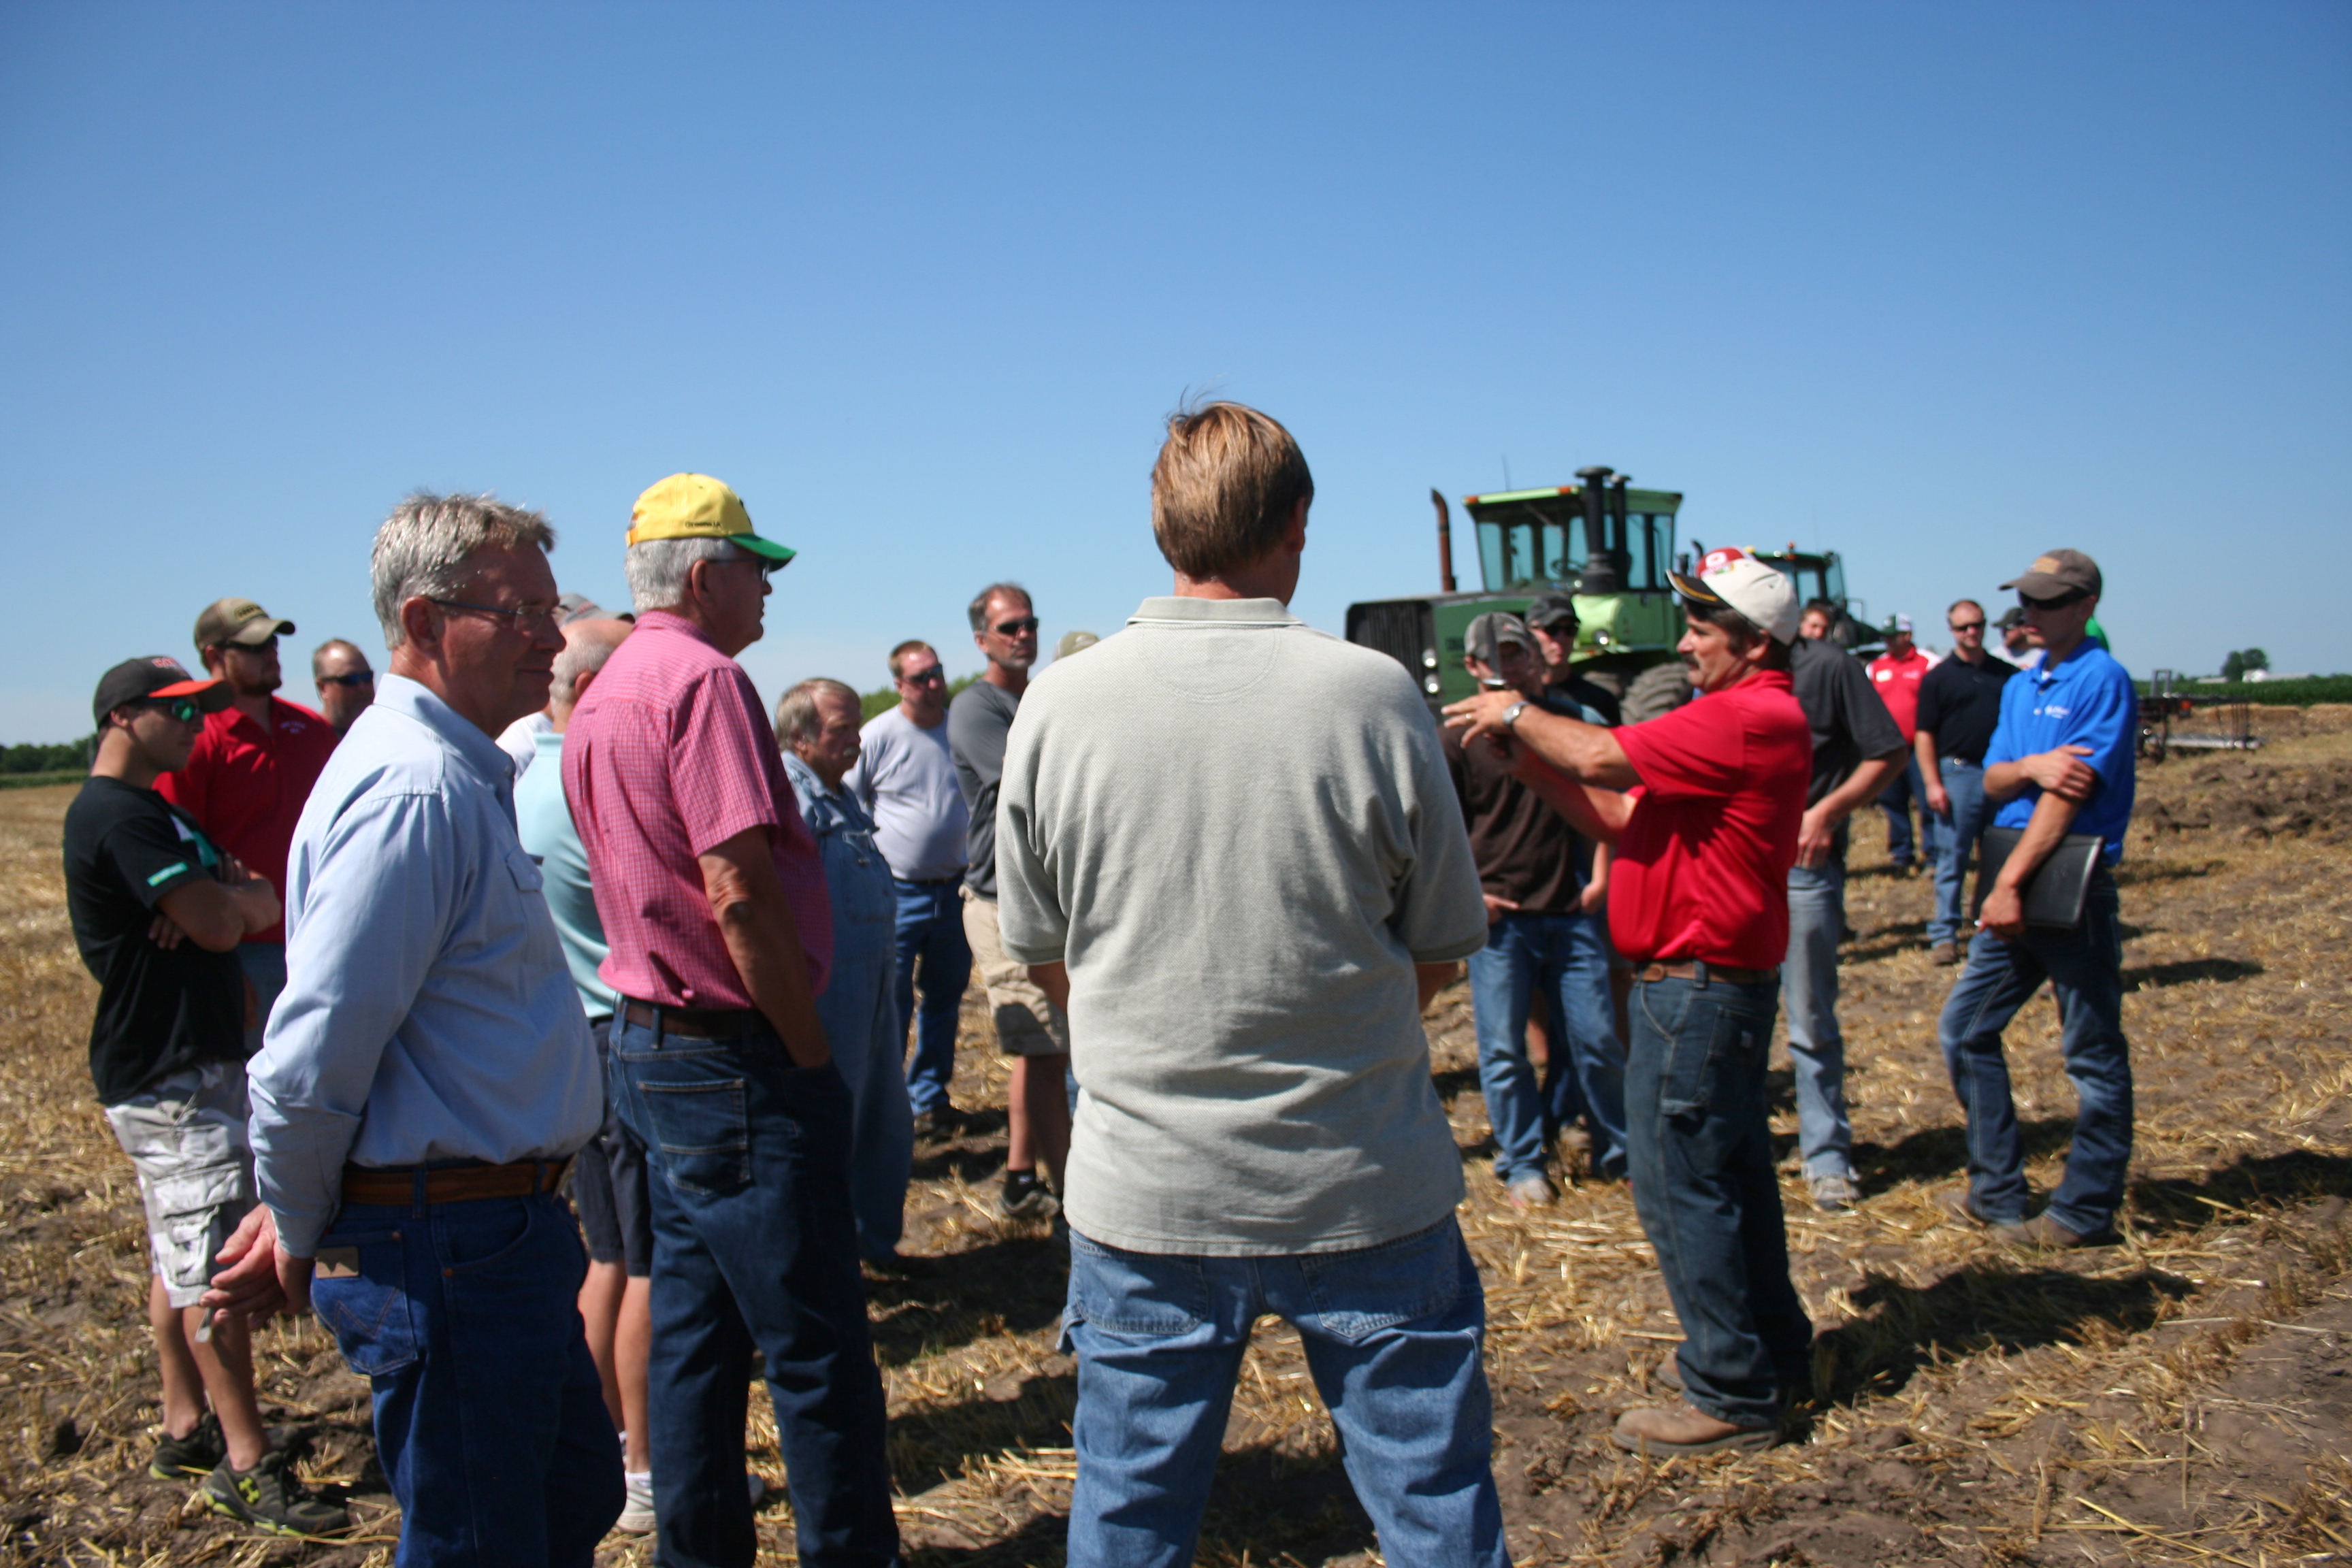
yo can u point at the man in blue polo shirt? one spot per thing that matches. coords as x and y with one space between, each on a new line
2060 761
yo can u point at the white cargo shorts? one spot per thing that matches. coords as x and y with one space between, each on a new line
186 1133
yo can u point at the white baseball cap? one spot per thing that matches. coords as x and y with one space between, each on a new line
1732 577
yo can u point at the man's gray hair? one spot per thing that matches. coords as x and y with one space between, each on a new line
586 645
797 723
421 550
979 609
658 567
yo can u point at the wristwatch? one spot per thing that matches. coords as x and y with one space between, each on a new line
1511 716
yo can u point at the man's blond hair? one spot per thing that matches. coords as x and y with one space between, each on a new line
1224 488
899 654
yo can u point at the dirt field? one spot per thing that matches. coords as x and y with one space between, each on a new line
2186 1397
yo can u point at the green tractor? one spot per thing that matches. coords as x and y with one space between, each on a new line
1605 543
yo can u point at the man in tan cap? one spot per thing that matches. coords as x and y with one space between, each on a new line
251 771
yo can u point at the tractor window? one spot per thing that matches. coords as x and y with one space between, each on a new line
1833 579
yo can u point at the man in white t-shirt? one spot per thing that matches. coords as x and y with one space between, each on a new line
1228 845
906 779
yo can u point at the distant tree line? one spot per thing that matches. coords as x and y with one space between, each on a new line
2244 662
65 756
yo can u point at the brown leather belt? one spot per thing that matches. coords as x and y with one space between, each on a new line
694 1023
1694 969
397 1185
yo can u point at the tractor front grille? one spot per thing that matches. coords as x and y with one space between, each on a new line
1401 629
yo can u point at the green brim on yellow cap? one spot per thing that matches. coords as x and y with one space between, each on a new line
759 546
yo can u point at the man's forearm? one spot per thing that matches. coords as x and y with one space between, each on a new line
1586 753
1931 768
2003 780
1867 783
1600 815
765 941
1432 978
2053 815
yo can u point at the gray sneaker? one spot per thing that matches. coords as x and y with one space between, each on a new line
1834 1191
270 1497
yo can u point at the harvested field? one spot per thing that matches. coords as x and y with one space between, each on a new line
2185 1396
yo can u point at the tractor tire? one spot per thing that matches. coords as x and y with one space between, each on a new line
1661 688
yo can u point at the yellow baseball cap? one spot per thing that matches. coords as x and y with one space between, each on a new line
695 506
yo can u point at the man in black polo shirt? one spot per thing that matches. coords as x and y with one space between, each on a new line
158 913
1959 703
1857 747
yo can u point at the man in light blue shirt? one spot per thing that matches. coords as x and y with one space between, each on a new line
428 1072
2061 761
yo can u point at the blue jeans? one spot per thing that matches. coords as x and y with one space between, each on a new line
2084 968
1702 1183
754 1243
1896 801
1567 956
930 927
264 964
1809 985
464 1319
1392 1335
1962 828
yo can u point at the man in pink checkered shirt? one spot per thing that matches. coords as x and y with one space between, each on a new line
713 896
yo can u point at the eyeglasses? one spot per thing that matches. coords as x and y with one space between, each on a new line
266 645
521 615
2071 596
364 678
934 676
1958 626
1013 628
179 708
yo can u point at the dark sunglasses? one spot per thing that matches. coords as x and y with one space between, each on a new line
179 708
1967 626
1015 627
364 678
266 645
934 676
2071 596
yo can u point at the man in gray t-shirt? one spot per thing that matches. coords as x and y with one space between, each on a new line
1030 1028
906 777
1230 844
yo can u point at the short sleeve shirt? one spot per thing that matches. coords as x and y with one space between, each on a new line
1526 852
1849 722
1959 704
1897 683
1702 869
158 1010
906 778
979 719
2089 701
247 785
668 756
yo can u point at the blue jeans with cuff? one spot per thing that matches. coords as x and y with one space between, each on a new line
2085 967
1808 988
754 1243
930 927
1392 1335
1961 827
1702 1185
1568 957
490 1416
1896 801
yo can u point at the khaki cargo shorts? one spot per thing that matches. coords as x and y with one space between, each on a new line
186 1136
1027 1023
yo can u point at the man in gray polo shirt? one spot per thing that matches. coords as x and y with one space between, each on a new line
1228 844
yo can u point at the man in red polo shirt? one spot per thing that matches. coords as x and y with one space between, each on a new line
251 771
1704 833
712 896
1896 676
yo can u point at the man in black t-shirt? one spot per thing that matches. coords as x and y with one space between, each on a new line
1959 704
158 913
1857 747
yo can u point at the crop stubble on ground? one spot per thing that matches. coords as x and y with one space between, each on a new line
2184 1397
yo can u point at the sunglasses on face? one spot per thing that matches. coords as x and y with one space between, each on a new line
1960 626
934 676
1013 628
266 645
2071 596
364 678
179 708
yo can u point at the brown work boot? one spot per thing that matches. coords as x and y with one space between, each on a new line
1943 954
2047 1235
1663 1433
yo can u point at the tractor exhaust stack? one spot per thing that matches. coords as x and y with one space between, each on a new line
1601 558
1445 541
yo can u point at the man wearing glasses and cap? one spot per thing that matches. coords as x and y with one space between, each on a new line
251 771
1704 806
2060 761
158 911
711 891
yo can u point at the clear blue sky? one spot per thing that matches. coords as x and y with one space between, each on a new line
1939 286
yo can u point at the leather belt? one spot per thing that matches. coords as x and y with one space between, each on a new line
1703 971
397 1185
694 1023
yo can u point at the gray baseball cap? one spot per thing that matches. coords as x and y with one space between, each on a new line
1486 635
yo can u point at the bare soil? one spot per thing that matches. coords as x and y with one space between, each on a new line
2185 1396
